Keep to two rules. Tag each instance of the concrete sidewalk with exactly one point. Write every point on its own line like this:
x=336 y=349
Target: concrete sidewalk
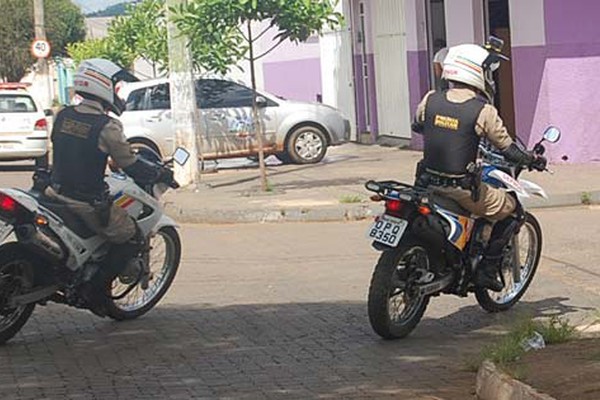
x=333 y=190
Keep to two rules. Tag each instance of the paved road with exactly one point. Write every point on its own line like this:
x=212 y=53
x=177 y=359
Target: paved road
x=278 y=312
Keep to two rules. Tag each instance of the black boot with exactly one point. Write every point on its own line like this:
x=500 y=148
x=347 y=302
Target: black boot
x=487 y=274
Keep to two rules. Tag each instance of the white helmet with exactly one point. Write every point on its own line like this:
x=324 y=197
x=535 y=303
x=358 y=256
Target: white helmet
x=97 y=79
x=472 y=65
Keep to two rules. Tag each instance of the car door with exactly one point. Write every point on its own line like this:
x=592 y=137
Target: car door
x=229 y=129
x=157 y=117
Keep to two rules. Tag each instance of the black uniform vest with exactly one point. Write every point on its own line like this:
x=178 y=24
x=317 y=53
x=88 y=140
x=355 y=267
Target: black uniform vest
x=450 y=140
x=78 y=164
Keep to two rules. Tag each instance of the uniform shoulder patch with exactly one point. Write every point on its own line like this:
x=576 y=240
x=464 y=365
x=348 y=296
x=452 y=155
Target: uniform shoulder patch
x=75 y=128
x=443 y=121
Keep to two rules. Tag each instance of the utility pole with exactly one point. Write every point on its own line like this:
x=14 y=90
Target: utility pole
x=183 y=99
x=42 y=63
x=42 y=69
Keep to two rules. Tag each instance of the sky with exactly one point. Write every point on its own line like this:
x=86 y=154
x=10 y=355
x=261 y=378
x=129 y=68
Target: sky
x=89 y=6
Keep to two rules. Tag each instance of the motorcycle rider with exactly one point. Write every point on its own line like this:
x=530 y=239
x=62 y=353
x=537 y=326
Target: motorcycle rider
x=452 y=123
x=83 y=137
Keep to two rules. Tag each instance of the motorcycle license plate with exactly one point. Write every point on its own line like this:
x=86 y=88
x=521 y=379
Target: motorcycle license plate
x=387 y=230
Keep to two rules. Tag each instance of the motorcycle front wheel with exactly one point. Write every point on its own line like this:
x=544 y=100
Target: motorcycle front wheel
x=526 y=251
x=164 y=258
x=394 y=308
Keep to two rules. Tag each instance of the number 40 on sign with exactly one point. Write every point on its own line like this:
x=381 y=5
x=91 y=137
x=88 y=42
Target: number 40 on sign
x=40 y=48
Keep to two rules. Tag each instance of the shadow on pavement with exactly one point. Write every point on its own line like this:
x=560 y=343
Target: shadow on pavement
x=17 y=168
x=306 y=350
x=277 y=170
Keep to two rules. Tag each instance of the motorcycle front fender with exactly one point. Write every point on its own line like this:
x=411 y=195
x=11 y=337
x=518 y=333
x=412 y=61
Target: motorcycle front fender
x=165 y=221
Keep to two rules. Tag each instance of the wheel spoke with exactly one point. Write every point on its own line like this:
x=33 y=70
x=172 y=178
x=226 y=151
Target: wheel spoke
x=527 y=243
x=161 y=260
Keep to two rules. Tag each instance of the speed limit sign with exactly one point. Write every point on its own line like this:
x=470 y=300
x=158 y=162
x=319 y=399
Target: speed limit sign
x=40 y=48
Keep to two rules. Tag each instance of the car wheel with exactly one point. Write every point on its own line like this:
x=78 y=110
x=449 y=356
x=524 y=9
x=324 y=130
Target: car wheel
x=306 y=145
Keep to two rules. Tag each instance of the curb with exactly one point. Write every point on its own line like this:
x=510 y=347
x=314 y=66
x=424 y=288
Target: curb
x=492 y=384
x=341 y=213
x=320 y=214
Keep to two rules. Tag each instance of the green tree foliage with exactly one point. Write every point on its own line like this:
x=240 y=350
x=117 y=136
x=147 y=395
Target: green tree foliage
x=142 y=33
x=64 y=25
x=220 y=25
x=99 y=48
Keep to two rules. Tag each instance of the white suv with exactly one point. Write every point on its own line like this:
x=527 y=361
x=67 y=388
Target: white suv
x=23 y=125
x=298 y=132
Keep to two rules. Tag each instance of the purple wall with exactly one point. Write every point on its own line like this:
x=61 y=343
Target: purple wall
x=294 y=79
x=418 y=85
x=557 y=84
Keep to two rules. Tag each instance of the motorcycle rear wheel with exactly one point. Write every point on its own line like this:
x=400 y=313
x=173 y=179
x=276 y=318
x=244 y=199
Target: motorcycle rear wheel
x=386 y=294
x=16 y=278
x=529 y=240
x=139 y=301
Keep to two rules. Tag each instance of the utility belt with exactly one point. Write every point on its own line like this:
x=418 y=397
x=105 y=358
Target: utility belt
x=101 y=202
x=470 y=181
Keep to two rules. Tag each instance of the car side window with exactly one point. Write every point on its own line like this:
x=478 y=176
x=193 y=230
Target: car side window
x=216 y=93
x=160 y=98
x=135 y=100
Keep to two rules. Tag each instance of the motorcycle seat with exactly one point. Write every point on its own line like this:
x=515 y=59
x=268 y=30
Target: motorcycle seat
x=72 y=221
x=450 y=205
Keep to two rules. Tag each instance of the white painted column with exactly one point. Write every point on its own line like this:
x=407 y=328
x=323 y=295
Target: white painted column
x=391 y=69
x=336 y=68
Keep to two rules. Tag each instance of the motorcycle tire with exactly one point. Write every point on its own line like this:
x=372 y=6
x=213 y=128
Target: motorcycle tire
x=382 y=289
x=13 y=254
x=120 y=312
x=486 y=298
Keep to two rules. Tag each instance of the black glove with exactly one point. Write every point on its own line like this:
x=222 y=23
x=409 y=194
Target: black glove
x=143 y=172
x=539 y=163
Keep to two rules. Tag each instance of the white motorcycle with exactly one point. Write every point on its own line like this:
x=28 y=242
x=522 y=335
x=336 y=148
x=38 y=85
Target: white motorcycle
x=47 y=252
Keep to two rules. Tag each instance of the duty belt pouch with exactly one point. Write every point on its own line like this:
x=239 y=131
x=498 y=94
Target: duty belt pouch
x=420 y=175
x=102 y=208
x=474 y=171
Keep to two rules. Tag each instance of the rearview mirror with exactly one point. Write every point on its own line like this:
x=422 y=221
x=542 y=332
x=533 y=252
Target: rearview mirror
x=261 y=102
x=181 y=156
x=552 y=134
x=48 y=112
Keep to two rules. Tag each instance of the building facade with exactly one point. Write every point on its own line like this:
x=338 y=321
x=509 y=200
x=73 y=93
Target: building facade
x=554 y=47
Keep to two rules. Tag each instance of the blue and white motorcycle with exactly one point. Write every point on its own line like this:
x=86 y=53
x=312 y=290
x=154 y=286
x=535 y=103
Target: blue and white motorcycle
x=432 y=246
x=47 y=253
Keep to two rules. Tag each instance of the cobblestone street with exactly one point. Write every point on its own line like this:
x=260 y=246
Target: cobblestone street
x=275 y=311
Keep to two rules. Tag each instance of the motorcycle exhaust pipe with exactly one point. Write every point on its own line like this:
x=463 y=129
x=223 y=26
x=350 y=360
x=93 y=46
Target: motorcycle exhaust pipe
x=436 y=286
x=31 y=236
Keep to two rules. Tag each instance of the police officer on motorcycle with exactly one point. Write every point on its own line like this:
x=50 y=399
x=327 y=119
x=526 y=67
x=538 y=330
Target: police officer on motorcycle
x=83 y=138
x=452 y=123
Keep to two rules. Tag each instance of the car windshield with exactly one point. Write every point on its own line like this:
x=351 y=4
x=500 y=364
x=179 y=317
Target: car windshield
x=16 y=104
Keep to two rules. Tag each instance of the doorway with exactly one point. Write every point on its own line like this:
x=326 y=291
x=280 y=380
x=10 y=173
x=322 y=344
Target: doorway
x=497 y=18
x=436 y=35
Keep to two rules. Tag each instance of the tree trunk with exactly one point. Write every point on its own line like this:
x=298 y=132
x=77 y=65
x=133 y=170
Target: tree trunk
x=256 y=115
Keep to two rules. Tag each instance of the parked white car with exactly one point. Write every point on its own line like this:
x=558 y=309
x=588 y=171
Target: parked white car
x=23 y=125
x=297 y=132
